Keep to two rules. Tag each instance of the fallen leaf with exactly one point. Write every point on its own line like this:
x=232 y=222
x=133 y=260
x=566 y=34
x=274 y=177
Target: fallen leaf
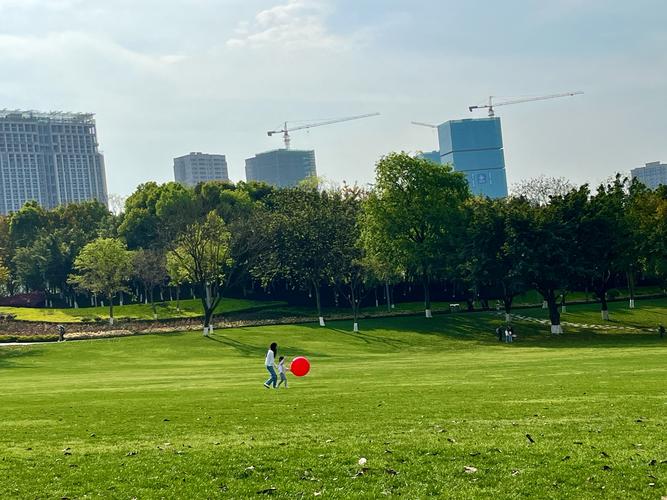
x=604 y=454
x=362 y=461
x=469 y=469
x=653 y=462
x=530 y=438
x=317 y=493
x=578 y=442
x=606 y=467
x=516 y=472
x=566 y=457
x=268 y=491
x=388 y=451
x=391 y=472
x=451 y=440
x=131 y=453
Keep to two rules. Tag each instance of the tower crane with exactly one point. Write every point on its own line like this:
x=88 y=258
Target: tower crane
x=422 y=124
x=493 y=104
x=285 y=131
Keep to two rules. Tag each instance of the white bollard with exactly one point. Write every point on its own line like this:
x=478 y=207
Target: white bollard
x=508 y=318
x=605 y=315
x=632 y=303
x=322 y=321
x=556 y=329
x=428 y=313
x=355 y=328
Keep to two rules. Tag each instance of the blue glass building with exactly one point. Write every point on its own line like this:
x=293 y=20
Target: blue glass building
x=434 y=156
x=475 y=147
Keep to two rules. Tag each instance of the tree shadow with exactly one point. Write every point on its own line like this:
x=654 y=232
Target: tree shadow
x=249 y=350
x=10 y=355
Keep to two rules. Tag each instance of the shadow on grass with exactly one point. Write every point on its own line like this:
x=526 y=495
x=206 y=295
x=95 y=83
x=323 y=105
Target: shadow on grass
x=8 y=355
x=249 y=350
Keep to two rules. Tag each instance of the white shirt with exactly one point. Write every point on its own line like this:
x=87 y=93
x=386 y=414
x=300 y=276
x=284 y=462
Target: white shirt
x=270 y=358
x=281 y=366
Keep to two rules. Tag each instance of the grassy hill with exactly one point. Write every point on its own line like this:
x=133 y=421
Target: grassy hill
x=436 y=407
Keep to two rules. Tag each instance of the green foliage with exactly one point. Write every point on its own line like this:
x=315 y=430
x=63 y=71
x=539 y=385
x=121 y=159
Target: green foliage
x=413 y=218
x=103 y=267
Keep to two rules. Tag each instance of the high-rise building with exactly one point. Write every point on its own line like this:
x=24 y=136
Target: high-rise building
x=281 y=167
x=434 y=156
x=51 y=158
x=194 y=168
x=475 y=147
x=652 y=174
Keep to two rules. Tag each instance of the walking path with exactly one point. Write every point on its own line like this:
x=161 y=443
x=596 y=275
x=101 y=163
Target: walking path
x=592 y=326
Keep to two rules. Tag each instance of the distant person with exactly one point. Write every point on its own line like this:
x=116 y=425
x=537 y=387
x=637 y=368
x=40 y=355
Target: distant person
x=500 y=331
x=661 y=331
x=281 y=371
x=508 y=334
x=61 y=333
x=270 y=363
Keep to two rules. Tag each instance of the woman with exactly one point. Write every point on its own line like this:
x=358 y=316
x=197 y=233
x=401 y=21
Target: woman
x=269 y=362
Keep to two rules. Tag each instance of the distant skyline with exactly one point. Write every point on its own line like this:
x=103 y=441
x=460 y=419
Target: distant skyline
x=167 y=78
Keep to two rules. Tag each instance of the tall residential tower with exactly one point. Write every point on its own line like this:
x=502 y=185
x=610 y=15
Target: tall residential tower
x=51 y=158
x=281 y=167
x=194 y=168
x=652 y=174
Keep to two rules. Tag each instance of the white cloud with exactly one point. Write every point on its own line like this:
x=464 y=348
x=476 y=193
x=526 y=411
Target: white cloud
x=294 y=24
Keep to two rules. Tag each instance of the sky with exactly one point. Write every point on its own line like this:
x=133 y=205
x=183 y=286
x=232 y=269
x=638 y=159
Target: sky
x=167 y=77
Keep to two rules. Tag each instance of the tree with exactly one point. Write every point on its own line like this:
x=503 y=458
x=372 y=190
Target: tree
x=150 y=269
x=203 y=254
x=177 y=276
x=539 y=190
x=103 y=267
x=488 y=261
x=605 y=238
x=542 y=241
x=301 y=240
x=413 y=218
x=352 y=272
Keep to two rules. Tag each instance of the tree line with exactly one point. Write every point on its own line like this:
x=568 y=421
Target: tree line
x=418 y=224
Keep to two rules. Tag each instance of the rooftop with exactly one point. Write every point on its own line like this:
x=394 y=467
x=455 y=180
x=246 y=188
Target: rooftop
x=60 y=116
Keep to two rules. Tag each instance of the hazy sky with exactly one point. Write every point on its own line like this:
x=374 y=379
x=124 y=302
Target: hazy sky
x=166 y=77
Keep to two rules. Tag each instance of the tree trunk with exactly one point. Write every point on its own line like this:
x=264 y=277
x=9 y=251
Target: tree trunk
x=178 y=299
x=507 y=303
x=355 y=309
x=388 y=295
x=426 y=282
x=563 y=305
x=110 y=309
x=153 y=304
x=316 y=286
x=208 y=307
x=604 y=307
x=631 y=288
x=554 y=314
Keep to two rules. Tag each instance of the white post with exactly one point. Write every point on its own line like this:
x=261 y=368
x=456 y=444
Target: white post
x=428 y=313
x=322 y=321
x=355 y=328
x=121 y=298
x=563 y=308
x=605 y=315
x=111 y=320
x=544 y=304
x=206 y=331
x=556 y=329
x=632 y=303
x=508 y=317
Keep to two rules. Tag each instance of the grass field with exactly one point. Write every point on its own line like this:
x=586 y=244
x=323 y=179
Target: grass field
x=648 y=314
x=188 y=309
x=181 y=416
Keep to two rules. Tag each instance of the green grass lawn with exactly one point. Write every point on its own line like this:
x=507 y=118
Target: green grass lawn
x=165 y=310
x=647 y=314
x=182 y=416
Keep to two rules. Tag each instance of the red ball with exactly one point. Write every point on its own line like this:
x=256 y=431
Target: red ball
x=300 y=366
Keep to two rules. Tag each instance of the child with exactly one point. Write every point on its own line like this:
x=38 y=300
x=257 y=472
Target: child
x=281 y=371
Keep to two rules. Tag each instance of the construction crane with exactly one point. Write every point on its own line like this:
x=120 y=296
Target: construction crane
x=493 y=104
x=285 y=131
x=422 y=124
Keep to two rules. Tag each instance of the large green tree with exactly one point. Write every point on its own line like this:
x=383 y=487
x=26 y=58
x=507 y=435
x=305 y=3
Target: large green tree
x=204 y=257
x=413 y=218
x=301 y=240
x=488 y=262
x=103 y=267
x=150 y=268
